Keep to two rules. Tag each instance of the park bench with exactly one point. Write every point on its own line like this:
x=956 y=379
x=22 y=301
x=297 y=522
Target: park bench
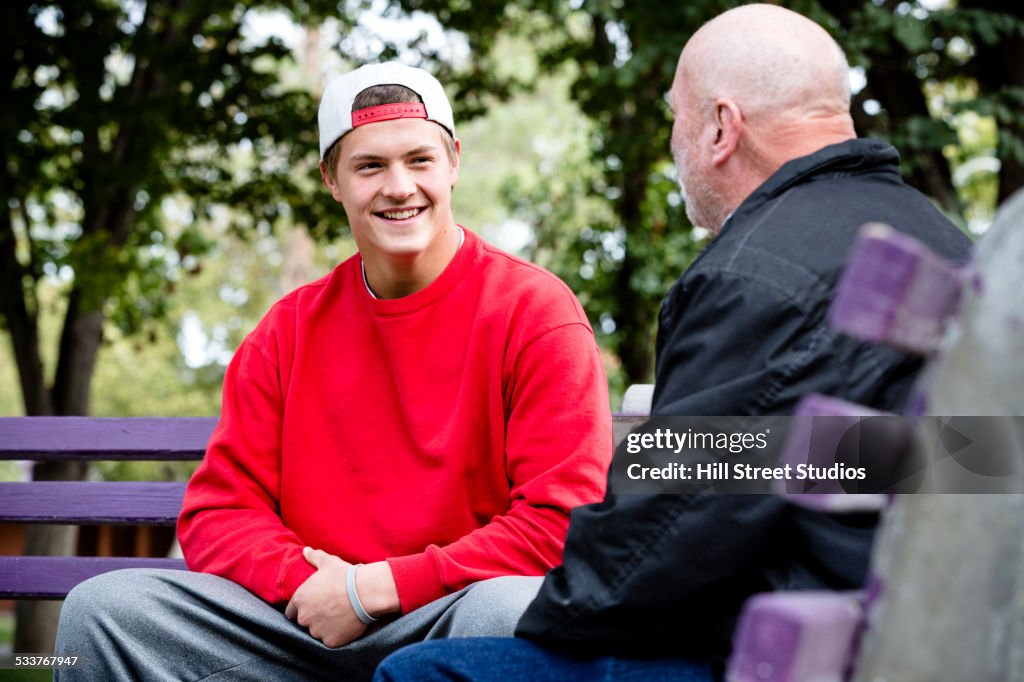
x=894 y=291
x=114 y=502
x=943 y=599
x=91 y=502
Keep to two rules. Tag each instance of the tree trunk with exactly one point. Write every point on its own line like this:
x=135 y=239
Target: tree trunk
x=297 y=267
x=80 y=342
x=633 y=314
x=21 y=322
x=1000 y=67
x=891 y=81
x=37 y=620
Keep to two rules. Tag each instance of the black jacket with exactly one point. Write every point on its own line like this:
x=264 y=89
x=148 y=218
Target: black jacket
x=743 y=332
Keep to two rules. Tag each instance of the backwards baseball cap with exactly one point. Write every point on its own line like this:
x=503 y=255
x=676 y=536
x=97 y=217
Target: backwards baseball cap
x=337 y=118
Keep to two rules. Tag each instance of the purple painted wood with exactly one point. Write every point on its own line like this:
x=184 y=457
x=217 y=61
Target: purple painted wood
x=819 y=425
x=59 y=438
x=148 y=503
x=104 y=438
x=795 y=637
x=45 y=577
x=896 y=291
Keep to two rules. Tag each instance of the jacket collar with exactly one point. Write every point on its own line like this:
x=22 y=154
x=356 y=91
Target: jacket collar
x=850 y=157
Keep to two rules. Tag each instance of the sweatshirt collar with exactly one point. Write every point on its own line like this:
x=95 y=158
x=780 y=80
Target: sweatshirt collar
x=362 y=263
x=467 y=254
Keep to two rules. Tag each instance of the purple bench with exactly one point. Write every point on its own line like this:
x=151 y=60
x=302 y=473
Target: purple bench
x=90 y=502
x=102 y=502
x=796 y=637
x=894 y=291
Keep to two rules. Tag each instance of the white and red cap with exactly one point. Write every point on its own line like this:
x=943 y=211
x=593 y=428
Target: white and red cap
x=337 y=118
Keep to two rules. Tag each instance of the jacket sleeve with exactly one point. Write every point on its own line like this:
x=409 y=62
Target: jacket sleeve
x=654 y=574
x=667 y=574
x=230 y=523
x=557 y=450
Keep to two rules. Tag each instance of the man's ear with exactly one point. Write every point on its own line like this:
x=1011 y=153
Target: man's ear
x=455 y=162
x=324 y=175
x=728 y=123
x=330 y=180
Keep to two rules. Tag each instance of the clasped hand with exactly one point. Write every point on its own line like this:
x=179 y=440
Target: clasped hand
x=322 y=605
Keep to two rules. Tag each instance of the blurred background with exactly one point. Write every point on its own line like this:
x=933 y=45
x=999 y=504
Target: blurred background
x=160 y=187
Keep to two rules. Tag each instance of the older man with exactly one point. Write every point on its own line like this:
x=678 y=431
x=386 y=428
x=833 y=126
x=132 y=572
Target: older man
x=769 y=161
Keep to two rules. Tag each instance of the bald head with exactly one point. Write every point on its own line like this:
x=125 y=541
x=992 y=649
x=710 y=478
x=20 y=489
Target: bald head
x=771 y=60
x=754 y=88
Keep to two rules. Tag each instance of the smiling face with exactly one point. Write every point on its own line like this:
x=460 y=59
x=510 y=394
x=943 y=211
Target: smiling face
x=395 y=180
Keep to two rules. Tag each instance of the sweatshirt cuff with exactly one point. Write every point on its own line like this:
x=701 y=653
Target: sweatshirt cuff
x=417 y=580
x=298 y=572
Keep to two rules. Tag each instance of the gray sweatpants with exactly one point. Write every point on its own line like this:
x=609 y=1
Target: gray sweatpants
x=141 y=624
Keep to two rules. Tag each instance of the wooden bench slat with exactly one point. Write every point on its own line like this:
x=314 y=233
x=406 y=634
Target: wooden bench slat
x=147 y=502
x=132 y=438
x=87 y=502
x=46 y=577
x=105 y=438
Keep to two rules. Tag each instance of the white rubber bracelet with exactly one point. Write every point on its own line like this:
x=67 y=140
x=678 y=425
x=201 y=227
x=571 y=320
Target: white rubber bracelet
x=353 y=597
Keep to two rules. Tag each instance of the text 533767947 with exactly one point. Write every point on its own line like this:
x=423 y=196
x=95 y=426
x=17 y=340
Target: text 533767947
x=38 y=661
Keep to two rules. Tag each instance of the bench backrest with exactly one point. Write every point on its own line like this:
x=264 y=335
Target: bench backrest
x=92 y=502
x=102 y=502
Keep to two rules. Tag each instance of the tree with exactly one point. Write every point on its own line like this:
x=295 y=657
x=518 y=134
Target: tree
x=998 y=68
x=111 y=107
x=904 y=48
x=623 y=56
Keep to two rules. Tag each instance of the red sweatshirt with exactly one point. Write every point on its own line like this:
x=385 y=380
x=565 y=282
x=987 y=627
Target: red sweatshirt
x=449 y=432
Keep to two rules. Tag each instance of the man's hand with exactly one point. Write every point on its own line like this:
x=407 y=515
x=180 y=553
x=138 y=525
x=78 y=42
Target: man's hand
x=321 y=604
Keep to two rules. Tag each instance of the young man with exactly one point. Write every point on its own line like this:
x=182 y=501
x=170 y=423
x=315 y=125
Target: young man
x=418 y=421
x=769 y=160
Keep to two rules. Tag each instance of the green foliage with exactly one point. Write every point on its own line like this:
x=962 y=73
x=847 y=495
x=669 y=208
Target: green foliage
x=139 y=134
x=128 y=129
x=609 y=221
x=118 y=105
x=600 y=209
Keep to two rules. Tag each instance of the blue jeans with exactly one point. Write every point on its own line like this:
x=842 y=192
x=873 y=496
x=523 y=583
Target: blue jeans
x=493 y=659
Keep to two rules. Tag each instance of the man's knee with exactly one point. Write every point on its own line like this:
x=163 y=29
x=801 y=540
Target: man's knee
x=491 y=608
x=89 y=599
x=91 y=612
x=124 y=597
